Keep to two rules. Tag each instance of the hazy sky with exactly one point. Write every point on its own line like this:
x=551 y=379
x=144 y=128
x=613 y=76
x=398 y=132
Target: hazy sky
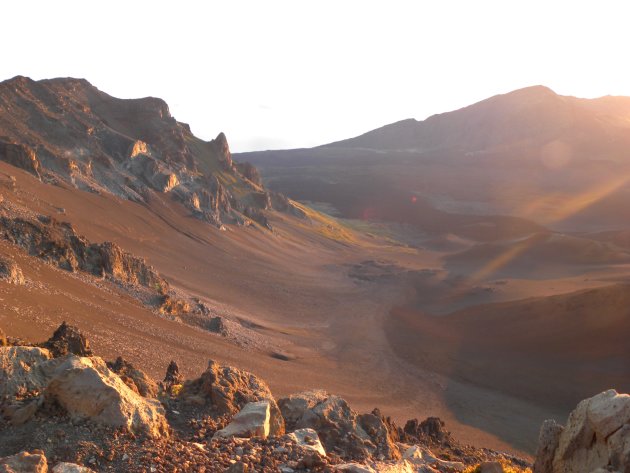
x=283 y=74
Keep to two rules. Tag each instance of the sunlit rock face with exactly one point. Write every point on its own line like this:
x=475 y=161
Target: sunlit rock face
x=68 y=130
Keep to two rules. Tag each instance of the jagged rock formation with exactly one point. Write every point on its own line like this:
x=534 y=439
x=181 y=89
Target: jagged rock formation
x=67 y=339
x=173 y=377
x=67 y=130
x=341 y=429
x=62 y=413
x=59 y=244
x=596 y=438
x=228 y=389
x=133 y=377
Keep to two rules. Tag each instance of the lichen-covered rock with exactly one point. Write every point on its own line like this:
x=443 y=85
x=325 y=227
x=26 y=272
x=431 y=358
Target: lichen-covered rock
x=87 y=389
x=24 y=462
x=143 y=383
x=228 y=389
x=251 y=421
x=68 y=339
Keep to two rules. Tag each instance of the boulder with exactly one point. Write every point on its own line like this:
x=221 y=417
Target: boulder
x=548 y=440
x=86 y=388
x=143 y=384
x=336 y=424
x=21 y=371
x=24 y=462
x=228 y=389
x=308 y=438
x=252 y=421
x=68 y=339
x=172 y=378
x=11 y=272
x=597 y=435
x=71 y=468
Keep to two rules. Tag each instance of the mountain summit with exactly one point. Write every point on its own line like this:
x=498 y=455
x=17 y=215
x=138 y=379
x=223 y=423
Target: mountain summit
x=529 y=117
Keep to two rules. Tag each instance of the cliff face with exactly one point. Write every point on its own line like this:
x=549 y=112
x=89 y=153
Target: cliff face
x=68 y=131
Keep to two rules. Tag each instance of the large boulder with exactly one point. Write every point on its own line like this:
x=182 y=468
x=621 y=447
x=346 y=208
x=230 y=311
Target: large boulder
x=24 y=462
x=252 y=421
x=133 y=377
x=86 y=388
x=336 y=424
x=597 y=435
x=68 y=339
x=22 y=372
x=228 y=389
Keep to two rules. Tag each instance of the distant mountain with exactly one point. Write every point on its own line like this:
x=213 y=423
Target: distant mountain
x=558 y=161
x=533 y=116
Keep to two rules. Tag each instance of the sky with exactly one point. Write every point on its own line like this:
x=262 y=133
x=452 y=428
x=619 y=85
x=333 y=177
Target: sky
x=285 y=74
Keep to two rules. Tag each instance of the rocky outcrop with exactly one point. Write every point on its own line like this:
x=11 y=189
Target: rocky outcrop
x=222 y=148
x=133 y=377
x=227 y=390
x=173 y=377
x=249 y=171
x=59 y=244
x=67 y=339
x=596 y=436
x=24 y=462
x=251 y=421
x=133 y=149
x=383 y=433
x=336 y=424
x=432 y=431
x=87 y=389
x=21 y=156
x=10 y=271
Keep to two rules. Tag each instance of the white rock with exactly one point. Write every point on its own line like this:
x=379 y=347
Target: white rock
x=251 y=421
x=309 y=439
x=71 y=468
x=422 y=456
